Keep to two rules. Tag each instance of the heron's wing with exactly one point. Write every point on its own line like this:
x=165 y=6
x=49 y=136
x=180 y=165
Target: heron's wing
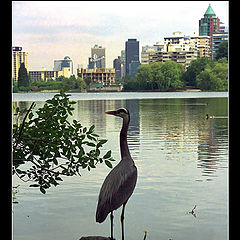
x=116 y=189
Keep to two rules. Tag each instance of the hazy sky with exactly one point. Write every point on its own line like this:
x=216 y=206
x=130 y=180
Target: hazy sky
x=52 y=30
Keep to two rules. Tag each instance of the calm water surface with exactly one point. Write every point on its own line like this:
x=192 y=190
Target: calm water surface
x=182 y=161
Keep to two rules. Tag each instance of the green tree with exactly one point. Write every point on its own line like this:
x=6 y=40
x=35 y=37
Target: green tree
x=131 y=85
x=23 y=79
x=46 y=146
x=81 y=84
x=87 y=80
x=145 y=77
x=222 y=51
x=168 y=75
x=214 y=77
x=203 y=79
x=197 y=66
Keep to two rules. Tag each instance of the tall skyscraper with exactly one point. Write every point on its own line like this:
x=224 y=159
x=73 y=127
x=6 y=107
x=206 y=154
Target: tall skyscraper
x=208 y=25
x=117 y=65
x=131 y=53
x=123 y=62
x=98 y=52
x=18 y=56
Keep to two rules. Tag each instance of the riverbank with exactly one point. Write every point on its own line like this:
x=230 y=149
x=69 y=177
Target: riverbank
x=114 y=89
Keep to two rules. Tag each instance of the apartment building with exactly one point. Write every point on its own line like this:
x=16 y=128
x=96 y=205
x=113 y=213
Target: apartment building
x=44 y=74
x=179 y=42
x=18 y=57
x=183 y=57
x=203 y=45
x=98 y=75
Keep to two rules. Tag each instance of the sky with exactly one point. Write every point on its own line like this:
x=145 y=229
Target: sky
x=51 y=30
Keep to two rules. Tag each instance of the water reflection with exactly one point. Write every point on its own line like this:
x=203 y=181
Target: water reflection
x=173 y=129
x=177 y=151
x=179 y=129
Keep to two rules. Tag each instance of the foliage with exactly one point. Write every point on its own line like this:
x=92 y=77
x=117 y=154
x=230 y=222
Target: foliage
x=23 y=79
x=222 y=51
x=169 y=76
x=157 y=76
x=87 y=81
x=194 y=69
x=145 y=77
x=60 y=83
x=214 y=77
x=46 y=146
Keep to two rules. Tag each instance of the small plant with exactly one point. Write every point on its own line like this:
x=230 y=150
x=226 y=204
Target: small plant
x=46 y=146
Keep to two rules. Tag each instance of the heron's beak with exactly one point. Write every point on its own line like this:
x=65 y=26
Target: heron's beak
x=112 y=113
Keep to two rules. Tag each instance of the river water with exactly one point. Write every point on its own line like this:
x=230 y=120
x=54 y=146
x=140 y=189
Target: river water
x=182 y=161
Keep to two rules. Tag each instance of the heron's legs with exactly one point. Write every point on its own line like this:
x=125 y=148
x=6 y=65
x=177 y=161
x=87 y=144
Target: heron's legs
x=122 y=219
x=111 y=218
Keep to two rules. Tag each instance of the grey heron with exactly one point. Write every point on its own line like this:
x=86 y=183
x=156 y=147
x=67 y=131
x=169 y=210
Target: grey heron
x=119 y=184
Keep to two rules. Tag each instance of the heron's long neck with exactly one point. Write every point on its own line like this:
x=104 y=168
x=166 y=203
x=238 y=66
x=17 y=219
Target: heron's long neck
x=125 y=154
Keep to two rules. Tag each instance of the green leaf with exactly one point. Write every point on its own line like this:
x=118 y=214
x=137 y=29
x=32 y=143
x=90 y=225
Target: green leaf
x=101 y=142
x=55 y=161
x=34 y=185
x=107 y=155
x=91 y=129
x=30 y=115
x=108 y=163
x=42 y=190
x=90 y=144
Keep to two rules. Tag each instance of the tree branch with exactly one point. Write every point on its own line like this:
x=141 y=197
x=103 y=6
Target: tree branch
x=22 y=125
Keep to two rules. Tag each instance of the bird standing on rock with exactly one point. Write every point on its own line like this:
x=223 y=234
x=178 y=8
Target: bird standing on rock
x=119 y=184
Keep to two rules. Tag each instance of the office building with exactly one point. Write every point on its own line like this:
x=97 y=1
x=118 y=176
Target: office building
x=95 y=62
x=123 y=62
x=217 y=39
x=64 y=63
x=131 y=52
x=106 y=76
x=117 y=65
x=18 y=57
x=99 y=53
x=208 y=25
x=133 y=68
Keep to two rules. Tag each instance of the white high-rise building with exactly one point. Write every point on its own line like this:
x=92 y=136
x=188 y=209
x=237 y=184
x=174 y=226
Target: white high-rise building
x=18 y=57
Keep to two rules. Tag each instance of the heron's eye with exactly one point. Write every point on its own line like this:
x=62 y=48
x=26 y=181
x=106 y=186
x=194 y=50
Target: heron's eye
x=123 y=110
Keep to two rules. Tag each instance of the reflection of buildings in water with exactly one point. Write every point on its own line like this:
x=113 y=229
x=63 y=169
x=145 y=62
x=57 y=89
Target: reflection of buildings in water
x=168 y=122
x=176 y=128
x=134 y=127
x=213 y=153
x=93 y=112
x=23 y=105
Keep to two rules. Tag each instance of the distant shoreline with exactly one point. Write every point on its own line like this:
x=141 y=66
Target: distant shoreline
x=100 y=91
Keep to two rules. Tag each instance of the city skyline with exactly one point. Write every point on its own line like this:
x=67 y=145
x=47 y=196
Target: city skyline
x=53 y=30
